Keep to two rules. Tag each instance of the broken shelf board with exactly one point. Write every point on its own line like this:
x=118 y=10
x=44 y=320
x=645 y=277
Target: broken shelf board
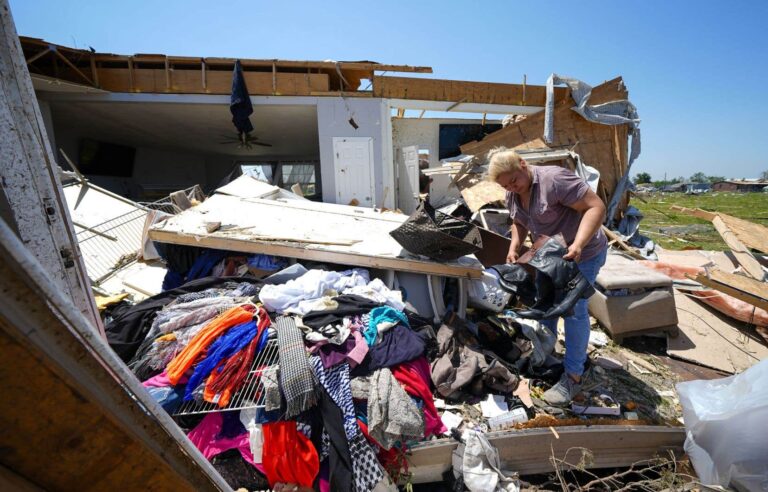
x=528 y=451
x=257 y=219
x=712 y=339
x=741 y=287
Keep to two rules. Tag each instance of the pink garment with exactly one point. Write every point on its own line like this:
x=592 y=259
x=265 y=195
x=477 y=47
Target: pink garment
x=162 y=381
x=415 y=377
x=358 y=353
x=204 y=438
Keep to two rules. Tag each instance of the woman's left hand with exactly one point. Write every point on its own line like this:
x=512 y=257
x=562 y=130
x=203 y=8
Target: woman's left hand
x=574 y=252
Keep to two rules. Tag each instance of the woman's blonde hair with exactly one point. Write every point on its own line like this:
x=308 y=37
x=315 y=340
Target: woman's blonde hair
x=502 y=160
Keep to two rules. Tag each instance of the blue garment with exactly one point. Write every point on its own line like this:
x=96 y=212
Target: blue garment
x=168 y=397
x=397 y=345
x=204 y=264
x=228 y=344
x=201 y=267
x=577 y=326
x=240 y=101
x=380 y=315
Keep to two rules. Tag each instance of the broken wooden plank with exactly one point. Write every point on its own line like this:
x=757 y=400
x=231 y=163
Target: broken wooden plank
x=457 y=91
x=741 y=287
x=88 y=424
x=610 y=446
x=616 y=239
x=740 y=251
x=753 y=235
x=31 y=192
x=694 y=212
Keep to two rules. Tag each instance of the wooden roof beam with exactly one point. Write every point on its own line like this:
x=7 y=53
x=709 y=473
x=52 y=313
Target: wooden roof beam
x=463 y=91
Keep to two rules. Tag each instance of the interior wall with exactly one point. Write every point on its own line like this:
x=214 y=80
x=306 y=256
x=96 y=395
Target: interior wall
x=424 y=133
x=372 y=119
x=161 y=167
x=152 y=168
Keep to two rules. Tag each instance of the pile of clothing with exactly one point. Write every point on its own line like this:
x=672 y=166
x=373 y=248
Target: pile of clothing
x=350 y=390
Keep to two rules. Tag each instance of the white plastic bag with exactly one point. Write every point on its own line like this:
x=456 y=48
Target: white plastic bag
x=726 y=422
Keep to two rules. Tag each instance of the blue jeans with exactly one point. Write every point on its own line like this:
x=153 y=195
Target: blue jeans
x=577 y=326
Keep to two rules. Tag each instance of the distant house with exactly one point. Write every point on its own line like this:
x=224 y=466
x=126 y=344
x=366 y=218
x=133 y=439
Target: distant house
x=740 y=185
x=674 y=188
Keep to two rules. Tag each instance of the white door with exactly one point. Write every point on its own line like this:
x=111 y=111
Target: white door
x=353 y=166
x=408 y=179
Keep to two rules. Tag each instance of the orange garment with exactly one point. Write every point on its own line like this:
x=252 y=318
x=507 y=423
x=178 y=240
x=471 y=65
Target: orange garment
x=229 y=375
x=198 y=345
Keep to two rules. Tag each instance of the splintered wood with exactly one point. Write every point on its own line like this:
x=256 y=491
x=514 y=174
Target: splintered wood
x=601 y=146
x=739 y=235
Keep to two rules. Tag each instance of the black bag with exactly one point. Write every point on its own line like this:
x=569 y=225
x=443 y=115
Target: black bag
x=436 y=235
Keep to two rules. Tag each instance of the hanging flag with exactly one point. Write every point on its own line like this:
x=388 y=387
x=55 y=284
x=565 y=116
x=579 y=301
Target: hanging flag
x=240 y=102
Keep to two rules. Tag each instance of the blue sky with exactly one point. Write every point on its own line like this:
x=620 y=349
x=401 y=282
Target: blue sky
x=697 y=71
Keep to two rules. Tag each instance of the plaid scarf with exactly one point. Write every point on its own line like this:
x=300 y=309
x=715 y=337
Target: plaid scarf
x=296 y=378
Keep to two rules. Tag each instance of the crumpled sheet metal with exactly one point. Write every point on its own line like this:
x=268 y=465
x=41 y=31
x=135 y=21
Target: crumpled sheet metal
x=610 y=113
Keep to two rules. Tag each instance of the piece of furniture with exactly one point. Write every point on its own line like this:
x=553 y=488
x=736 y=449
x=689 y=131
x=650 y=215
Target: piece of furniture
x=631 y=299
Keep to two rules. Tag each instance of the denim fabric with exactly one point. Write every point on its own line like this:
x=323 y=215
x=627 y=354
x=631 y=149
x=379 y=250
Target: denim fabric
x=577 y=326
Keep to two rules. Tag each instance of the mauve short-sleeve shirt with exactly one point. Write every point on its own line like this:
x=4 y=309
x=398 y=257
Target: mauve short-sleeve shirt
x=553 y=191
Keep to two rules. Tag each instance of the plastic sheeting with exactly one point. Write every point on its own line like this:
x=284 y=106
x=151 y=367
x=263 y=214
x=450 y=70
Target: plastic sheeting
x=726 y=431
x=610 y=113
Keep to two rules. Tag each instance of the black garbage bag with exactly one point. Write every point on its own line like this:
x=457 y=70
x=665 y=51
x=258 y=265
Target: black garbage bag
x=559 y=282
x=436 y=235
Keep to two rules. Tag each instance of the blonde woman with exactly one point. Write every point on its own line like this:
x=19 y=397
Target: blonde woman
x=547 y=200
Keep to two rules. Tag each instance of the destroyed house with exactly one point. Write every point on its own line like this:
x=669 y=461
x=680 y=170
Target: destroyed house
x=147 y=124
x=257 y=336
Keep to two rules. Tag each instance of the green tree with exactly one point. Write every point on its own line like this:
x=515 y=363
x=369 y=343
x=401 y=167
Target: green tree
x=764 y=176
x=715 y=179
x=699 y=177
x=641 y=178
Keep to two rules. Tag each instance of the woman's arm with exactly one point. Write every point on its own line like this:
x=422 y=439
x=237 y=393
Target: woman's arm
x=518 y=235
x=593 y=214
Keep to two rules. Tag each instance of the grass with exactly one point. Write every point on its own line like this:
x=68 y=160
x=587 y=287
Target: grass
x=675 y=230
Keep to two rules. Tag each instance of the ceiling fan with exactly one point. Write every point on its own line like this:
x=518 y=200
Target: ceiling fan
x=243 y=140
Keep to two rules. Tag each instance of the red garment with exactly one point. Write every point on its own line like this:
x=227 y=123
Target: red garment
x=415 y=378
x=288 y=455
x=229 y=375
x=394 y=459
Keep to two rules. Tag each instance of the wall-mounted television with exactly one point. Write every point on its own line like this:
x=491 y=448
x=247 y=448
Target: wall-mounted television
x=106 y=159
